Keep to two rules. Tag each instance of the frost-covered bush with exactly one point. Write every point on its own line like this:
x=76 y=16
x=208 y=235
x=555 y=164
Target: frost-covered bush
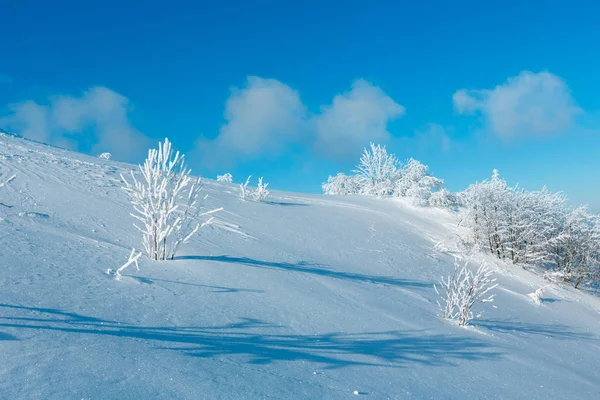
x=260 y=193
x=416 y=183
x=377 y=171
x=227 y=178
x=342 y=184
x=165 y=202
x=536 y=296
x=244 y=191
x=381 y=174
x=444 y=199
x=463 y=290
x=105 y=156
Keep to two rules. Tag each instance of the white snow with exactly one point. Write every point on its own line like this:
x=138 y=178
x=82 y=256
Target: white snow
x=299 y=297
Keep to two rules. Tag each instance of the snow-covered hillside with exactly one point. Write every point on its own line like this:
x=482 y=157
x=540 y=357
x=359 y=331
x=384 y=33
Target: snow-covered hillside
x=302 y=297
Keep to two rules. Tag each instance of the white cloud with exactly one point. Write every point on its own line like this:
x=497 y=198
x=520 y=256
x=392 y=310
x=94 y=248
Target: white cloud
x=97 y=122
x=434 y=135
x=354 y=119
x=527 y=104
x=266 y=118
x=262 y=119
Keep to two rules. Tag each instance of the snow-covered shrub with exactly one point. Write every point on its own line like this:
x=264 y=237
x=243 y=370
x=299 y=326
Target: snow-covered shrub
x=260 y=193
x=444 y=199
x=342 y=184
x=537 y=296
x=227 y=178
x=415 y=182
x=165 y=201
x=105 y=156
x=244 y=191
x=378 y=171
x=463 y=290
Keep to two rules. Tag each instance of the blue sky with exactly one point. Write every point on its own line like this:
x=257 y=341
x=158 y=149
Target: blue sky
x=293 y=92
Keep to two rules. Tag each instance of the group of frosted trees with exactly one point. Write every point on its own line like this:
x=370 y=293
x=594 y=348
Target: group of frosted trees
x=513 y=224
x=381 y=174
x=534 y=228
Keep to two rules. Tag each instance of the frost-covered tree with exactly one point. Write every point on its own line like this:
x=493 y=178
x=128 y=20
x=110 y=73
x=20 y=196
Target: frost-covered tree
x=415 y=182
x=463 y=290
x=165 y=202
x=227 y=178
x=342 y=184
x=485 y=212
x=377 y=171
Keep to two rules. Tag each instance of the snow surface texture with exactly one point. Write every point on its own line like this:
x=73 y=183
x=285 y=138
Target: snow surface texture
x=299 y=297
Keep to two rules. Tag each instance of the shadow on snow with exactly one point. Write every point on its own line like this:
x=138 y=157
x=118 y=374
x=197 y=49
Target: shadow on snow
x=310 y=268
x=248 y=339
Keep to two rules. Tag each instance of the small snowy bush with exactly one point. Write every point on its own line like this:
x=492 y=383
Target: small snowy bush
x=244 y=191
x=261 y=192
x=463 y=290
x=342 y=184
x=227 y=178
x=443 y=199
x=537 y=296
x=165 y=201
x=105 y=156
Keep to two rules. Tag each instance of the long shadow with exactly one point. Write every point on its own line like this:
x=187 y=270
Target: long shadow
x=310 y=268
x=286 y=204
x=218 y=289
x=255 y=342
x=526 y=328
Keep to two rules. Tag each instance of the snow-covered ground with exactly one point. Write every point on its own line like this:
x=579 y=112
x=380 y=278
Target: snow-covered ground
x=302 y=297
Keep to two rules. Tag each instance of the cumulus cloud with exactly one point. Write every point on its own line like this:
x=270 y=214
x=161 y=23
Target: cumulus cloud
x=354 y=119
x=262 y=118
x=434 y=135
x=527 y=104
x=97 y=122
x=266 y=118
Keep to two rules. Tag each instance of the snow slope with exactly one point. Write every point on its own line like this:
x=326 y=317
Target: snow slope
x=305 y=297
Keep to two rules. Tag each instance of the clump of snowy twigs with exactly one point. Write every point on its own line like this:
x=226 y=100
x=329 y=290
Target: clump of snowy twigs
x=259 y=194
x=537 y=296
x=227 y=178
x=463 y=290
x=166 y=202
x=133 y=259
x=105 y=156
